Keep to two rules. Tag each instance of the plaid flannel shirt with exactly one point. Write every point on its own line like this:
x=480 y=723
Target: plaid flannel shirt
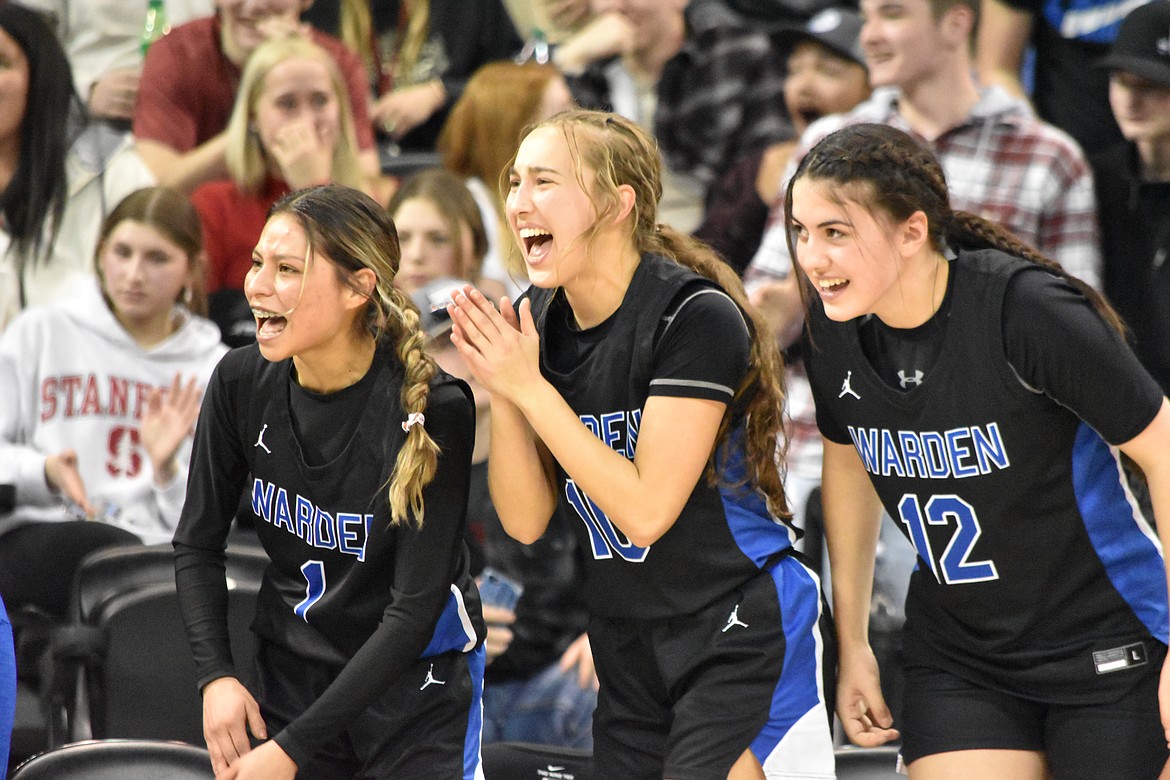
x=720 y=97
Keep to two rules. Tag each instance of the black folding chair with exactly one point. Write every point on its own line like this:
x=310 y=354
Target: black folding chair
x=122 y=668
x=118 y=759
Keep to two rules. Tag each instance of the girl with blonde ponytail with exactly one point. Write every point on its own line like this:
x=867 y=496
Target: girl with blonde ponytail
x=353 y=452
x=987 y=400
x=635 y=390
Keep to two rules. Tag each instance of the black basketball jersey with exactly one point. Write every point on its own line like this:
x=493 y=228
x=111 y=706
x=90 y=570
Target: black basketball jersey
x=1036 y=567
x=341 y=576
x=723 y=536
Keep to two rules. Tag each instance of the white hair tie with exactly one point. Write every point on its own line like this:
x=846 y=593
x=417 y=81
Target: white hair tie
x=414 y=418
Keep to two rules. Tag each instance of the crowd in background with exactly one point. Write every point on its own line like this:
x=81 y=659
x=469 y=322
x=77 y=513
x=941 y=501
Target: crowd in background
x=136 y=177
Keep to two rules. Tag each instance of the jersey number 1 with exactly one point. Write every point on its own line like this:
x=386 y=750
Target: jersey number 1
x=314 y=572
x=953 y=566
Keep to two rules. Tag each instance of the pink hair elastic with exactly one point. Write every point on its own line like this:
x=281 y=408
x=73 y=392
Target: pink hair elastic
x=414 y=418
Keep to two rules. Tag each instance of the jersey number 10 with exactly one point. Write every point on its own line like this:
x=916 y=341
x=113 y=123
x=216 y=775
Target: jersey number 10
x=604 y=538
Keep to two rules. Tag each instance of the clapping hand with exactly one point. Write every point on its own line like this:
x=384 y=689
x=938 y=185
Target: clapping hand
x=169 y=419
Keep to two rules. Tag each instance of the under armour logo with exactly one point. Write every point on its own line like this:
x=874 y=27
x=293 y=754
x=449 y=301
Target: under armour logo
x=847 y=389
x=430 y=680
x=910 y=380
x=733 y=620
x=260 y=440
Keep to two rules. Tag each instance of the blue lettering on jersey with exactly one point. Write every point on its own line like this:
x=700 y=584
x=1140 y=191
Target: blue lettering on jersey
x=342 y=531
x=619 y=431
x=957 y=453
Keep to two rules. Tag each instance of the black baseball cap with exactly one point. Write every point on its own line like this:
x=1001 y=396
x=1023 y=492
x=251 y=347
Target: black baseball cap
x=1142 y=46
x=837 y=29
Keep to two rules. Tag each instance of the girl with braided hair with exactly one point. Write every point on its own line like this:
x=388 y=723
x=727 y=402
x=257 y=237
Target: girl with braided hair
x=353 y=452
x=635 y=391
x=987 y=400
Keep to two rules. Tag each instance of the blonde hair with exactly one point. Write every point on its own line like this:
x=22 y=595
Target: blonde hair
x=247 y=161
x=619 y=152
x=354 y=232
x=410 y=47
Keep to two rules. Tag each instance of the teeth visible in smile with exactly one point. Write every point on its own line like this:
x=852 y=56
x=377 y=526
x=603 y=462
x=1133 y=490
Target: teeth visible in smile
x=260 y=314
x=533 y=232
x=828 y=284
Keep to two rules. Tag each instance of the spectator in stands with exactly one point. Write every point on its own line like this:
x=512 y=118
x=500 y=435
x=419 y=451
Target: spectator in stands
x=420 y=54
x=189 y=83
x=440 y=231
x=1133 y=184
x=1065 y=38
x=707 y=85
x=482 y=133
x=103 y=40
x=58 y=173
x=101 y=391
x=540 y=684
x=825 y=74
x=291 y=128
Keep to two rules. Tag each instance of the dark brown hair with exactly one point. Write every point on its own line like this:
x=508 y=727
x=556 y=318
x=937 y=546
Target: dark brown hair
x=887 y=172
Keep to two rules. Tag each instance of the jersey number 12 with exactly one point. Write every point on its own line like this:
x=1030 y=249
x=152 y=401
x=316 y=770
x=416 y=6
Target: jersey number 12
x=953 y=566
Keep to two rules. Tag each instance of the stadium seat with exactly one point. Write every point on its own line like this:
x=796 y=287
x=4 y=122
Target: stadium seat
x=118 y=759
x=122 y=667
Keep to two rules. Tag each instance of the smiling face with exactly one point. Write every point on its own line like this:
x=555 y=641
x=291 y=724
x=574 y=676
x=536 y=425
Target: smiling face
x=849 y=256
x=298 y=90
x=430 y=248
x=13 y=88
x=547 y=209
x=143 y=274
x=245 y=24
x=301 y=307
x=903 y=42
x=820 y=83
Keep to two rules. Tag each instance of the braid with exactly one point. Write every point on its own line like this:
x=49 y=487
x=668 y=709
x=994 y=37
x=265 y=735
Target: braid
x=764 y=438
x=974 y=232
x=418 y=457
x=886 y=169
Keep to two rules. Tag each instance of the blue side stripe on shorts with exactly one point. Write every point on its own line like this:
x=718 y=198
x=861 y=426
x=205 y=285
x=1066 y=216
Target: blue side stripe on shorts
x=476 y=661
x=454 y=629
x=800 y=686
x=1120 y=533
x=756 y=532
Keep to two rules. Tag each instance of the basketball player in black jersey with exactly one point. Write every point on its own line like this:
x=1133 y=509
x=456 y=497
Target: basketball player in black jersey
x=985 y=398
x=634 y=390
x=355 y=452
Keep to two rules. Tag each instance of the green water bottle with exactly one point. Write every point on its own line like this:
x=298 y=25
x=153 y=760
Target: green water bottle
x=155 y=25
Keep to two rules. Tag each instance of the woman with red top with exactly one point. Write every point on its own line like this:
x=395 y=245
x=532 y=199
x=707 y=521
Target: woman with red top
x=291 y=128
